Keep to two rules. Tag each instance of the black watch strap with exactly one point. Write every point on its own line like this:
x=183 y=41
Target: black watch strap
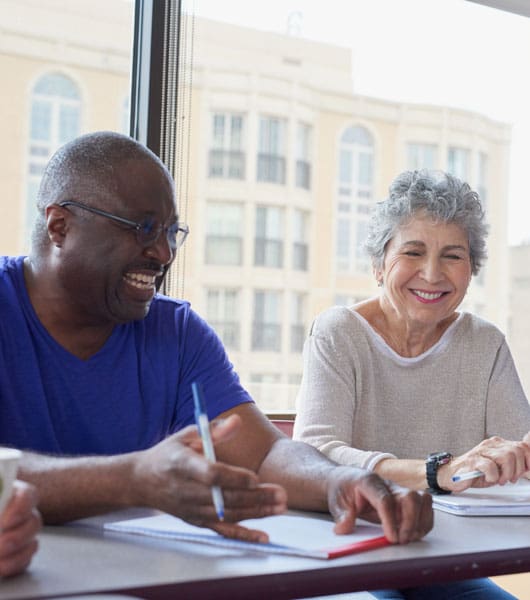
x=433 y=462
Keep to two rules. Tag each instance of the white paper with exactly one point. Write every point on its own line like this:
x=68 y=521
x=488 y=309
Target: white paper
x=297 y=535
x=499 y=500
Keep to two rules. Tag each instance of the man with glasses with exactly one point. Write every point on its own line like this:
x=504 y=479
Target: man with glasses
x=96 y=369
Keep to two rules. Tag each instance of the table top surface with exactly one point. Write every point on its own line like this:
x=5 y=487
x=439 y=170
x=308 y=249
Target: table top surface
x=80 y=560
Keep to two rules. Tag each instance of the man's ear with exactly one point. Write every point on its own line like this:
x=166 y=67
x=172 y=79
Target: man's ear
x=56 y=224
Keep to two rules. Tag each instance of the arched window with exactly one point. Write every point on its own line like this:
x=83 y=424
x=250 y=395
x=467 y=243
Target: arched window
x=354 y=197
x=54 y=120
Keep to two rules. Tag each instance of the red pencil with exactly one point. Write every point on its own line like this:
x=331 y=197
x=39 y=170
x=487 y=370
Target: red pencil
x=362 y=546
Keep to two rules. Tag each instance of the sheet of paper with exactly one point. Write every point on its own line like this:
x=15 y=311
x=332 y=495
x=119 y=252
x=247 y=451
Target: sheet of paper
x=289 y=534
x=499 y=500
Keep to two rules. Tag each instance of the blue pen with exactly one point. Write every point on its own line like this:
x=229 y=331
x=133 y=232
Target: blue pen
x=465 y=476
x=201 y=418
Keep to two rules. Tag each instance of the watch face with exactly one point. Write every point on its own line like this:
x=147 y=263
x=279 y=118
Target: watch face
x=440 y=458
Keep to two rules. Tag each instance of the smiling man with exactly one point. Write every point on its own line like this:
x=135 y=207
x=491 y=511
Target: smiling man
x=96 y=369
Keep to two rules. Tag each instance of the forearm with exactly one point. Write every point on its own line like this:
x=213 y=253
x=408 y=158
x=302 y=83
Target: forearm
x=409 y=473
x=72 y=488
x=302 y=471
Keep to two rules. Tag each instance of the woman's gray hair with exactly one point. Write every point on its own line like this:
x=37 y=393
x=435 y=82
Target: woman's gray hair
x=436 y=194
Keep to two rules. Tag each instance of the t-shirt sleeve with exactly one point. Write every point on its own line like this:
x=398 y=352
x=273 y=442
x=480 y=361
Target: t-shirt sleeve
x=327 y=397
x=203 y=359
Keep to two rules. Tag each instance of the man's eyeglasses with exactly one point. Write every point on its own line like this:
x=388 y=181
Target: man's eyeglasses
x=147 y=232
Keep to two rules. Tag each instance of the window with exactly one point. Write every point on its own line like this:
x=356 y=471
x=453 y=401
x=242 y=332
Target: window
x=297 y=321
x=458 y=162
x=300 y=246
x=54 y=119
x=125 y=115
x=222 y=312
x=421 y=156
x=303 y=163
x=224 y=234
x=348 y=300
x=482 y=178
x=271 y=150
x=267 y=328
x=355 y=195
x=268 y=246
x=227 y=157
x=361 y=258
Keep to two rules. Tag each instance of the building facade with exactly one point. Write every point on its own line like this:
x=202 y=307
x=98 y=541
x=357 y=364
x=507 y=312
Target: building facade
x=284 y=163
x=287 y=163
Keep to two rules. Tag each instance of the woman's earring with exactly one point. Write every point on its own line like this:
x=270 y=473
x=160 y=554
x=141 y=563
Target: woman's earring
x=379 y=283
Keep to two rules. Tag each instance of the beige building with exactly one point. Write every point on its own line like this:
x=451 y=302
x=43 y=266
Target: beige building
x=65 y=71
x=285 y=163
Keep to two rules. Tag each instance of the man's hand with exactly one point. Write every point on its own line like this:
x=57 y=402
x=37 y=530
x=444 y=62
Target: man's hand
x=19 y=524
x=405 y=515
x=174 y=476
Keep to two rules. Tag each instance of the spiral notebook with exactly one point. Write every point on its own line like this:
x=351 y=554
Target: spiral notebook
x=512 y=499
x=295 y=535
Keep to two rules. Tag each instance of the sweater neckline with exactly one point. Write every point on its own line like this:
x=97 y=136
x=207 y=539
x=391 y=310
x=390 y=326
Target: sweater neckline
x=435 y=349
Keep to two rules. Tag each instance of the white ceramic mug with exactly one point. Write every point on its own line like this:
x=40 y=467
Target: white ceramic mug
x=9 y=459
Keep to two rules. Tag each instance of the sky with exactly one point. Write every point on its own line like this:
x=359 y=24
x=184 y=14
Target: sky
x=446 y=52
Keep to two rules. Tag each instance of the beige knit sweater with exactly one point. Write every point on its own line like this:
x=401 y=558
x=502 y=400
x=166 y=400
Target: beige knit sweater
x=360 y=401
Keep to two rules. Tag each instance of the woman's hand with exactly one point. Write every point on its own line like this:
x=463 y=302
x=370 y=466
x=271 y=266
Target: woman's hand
x=500 y=460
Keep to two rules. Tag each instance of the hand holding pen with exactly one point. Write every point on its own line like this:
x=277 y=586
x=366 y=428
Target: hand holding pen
x=201 y=418
x=466 y=476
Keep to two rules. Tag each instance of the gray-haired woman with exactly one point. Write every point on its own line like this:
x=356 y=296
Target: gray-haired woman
x=404 y=384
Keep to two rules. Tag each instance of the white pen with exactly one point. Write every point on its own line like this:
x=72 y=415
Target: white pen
x=201 y=418
x=466 y=476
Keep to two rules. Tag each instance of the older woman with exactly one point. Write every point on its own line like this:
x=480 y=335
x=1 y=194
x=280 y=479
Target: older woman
x=404 y=384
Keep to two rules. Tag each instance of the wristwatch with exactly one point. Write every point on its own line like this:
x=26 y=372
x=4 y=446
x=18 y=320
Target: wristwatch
x=433 y=462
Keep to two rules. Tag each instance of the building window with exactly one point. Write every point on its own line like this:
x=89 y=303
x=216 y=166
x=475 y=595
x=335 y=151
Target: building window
x=348 y=300
x=268 y=244
x=303 y=155
x=355 y=193
x=271 y=150
x=298 y=310
x=300 y=245
x=482 y=179
x=458 y=162
x=421 y=156
x=224 y=234
x=266 y=326
x=223 y=314
x=227 y=156
x=362 y=259
x=54 y=120
x=125 y=115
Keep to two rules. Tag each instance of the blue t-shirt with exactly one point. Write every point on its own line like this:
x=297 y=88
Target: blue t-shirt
x=130 y=395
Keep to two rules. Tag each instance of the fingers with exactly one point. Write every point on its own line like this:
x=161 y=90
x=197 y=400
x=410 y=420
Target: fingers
x=416 y=515
x=20 y=506
x=195 y=504
x=238 y=532
x=19 y=524
x=18 y=560
x=222 y=430
x=405 y=515
x=500 y=460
